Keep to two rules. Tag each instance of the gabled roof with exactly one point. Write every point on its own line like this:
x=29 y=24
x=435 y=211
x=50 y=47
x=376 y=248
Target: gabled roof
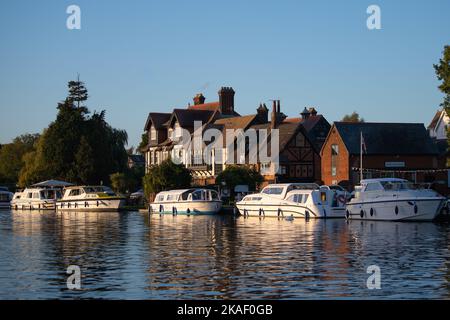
x=236 y=122
x=186 y=117
x=386 y=138
x=434 y=122
x=157 y=119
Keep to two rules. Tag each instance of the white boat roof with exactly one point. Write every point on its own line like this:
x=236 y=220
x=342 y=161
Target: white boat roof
x=178 y=191
x=284 y=185
x=383 y=180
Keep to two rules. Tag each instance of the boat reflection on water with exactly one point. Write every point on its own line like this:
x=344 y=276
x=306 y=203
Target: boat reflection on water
x=129 y=255
x=252 y=257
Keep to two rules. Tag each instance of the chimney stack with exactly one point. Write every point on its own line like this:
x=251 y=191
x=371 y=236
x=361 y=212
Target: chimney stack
x=199 y=99
x=305 y=114
x=263 y=113
x=226 y=100
x=273 y=118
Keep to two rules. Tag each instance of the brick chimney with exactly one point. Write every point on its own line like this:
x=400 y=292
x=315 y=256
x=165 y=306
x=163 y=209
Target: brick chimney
x=226 y=100
x=305 y=114
x=199 y=99
x=313 y=111
x=277 y=116
x=263 y=113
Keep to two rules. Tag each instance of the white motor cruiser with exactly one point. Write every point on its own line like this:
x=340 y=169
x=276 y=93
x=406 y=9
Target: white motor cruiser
x=89 y=198
x=187 y=201
x=393 y=199
x=306 y=200
x=36 y=199
x=5 y=198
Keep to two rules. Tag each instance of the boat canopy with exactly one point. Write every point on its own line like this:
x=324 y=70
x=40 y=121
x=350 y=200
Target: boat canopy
x=52 y=184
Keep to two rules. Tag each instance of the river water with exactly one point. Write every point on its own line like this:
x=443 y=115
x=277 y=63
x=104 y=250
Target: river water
x=132 y=255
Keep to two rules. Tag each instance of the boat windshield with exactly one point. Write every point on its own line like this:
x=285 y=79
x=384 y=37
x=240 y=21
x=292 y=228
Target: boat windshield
x=273 y=190
x=399 y=186
x=50 y=194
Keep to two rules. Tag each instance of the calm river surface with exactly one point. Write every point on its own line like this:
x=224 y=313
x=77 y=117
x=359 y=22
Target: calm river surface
x=134 y=256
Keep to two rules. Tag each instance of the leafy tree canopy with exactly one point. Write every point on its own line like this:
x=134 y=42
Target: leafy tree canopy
x=239 y=175
x=354 y=117
x=76 y=147
x=166 y=176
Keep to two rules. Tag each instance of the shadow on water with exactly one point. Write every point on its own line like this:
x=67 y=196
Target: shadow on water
x=132 y=256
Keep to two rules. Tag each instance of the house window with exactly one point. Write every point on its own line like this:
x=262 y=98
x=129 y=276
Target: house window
x=152 y=133
x=334 y=159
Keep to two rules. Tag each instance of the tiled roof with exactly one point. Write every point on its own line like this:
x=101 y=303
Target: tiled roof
x=158 y=119
x=236 y=122
x=435 y=120
x=211 y=106
x=386 y=138
x=186 y=117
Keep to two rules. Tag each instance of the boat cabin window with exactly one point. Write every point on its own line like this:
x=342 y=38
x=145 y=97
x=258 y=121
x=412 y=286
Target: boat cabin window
x=36 y=195
x=171 y=197
x=274 y=190
x=160 y=198
x=373 y=187
x=305 y=198
x=30 y=195
x=197 y=195
x=214 y=195
x=74 y=192
x=397 y=186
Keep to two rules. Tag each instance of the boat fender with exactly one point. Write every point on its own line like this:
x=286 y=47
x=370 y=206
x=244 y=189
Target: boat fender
x=245 y=213
x=324 y=213
x=161 y=208
x=97 y=203
x=396 y=209
x=280 y=213
x=85 y=204
x=174 y=211
x=361 y=214
x=76 y=204
x=371 y=212
x=188 y=210
x=261 y=212
x=307 y=215
x=416 y=209
x=69 y=205
x=347 y=214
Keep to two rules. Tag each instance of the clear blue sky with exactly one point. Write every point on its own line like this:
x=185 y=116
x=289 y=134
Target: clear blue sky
x=142 y=56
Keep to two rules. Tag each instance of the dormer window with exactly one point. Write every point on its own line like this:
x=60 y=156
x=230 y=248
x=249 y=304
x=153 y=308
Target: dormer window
x=152 y=133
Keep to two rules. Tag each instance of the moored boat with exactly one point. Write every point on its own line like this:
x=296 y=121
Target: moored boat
x=394 y=200
x=5 y=198
x=306 y=200
x=36 y=199
x=89 y=198
x=195 y=201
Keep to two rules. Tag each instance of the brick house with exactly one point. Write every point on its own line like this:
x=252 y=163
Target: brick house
x=392 y=149
x=300 y=141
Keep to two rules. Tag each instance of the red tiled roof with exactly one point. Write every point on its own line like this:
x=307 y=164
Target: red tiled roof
x=211 y=106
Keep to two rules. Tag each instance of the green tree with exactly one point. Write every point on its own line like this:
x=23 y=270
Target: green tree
x=353 y=117
x=77 y=92
x=77 y=147
x=239 y=175
x=443 y=74
x=143 y=144
x=11 y=157
x=166 y=176
x=85 y=166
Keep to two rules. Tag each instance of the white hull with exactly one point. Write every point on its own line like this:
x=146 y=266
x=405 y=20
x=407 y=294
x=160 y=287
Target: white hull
x=412 y=209
x=90 y=205
x=286 y=210
x=187 y=207
x=33 y=204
